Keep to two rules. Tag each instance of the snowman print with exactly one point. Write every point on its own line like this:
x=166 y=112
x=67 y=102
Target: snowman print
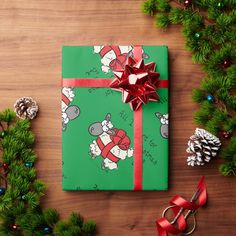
x=69 y=112
x=111 y=144
x=164 y=124
x=114 y=57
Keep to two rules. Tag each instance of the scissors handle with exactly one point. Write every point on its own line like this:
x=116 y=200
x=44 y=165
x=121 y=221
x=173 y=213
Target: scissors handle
x=194 y=222
x=186 y=216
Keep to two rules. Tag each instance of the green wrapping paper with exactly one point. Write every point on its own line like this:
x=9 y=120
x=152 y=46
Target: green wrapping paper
x=91 y=114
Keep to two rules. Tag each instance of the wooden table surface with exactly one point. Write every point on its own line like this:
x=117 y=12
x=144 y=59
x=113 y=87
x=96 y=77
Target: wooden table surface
x=32 y=33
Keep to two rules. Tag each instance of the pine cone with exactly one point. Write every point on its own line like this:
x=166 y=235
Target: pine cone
x=26 y=108
x=202 y=146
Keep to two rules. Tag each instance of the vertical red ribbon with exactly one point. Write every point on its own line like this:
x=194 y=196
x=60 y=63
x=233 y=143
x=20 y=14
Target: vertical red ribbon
x=138 y=53
x=138 y=133
x=138 y=150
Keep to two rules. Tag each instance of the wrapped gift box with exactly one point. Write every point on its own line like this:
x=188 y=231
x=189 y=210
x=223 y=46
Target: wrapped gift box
x=105 y=144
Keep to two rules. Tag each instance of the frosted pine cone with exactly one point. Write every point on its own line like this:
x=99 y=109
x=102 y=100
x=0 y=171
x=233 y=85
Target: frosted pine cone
x=26 y=108
x=202 y=146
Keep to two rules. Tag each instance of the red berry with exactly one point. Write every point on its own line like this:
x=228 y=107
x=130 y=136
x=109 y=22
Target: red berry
x=14 y=226
x=5 y=166
x=227 y=63
x=187 y=3
x=226 y=134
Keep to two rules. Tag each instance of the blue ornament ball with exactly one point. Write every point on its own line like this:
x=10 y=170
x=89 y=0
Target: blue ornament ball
x=220 y=5
x=210 y=98
x=198 y=35
x=3 y=134
x=2 y=191
x=47 y=230
x=29 y=164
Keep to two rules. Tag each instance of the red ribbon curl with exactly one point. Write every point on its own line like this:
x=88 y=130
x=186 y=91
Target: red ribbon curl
x=164 y=226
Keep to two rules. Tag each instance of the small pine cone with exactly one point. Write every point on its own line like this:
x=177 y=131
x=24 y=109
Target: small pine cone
x=202 y=146
x=26 y=108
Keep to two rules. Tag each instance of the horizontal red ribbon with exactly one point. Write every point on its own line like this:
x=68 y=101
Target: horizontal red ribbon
x=98 y=83
x=90 y=82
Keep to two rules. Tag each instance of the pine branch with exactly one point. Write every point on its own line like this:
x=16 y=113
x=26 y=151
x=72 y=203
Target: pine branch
x=21 y=213
x=209 y=28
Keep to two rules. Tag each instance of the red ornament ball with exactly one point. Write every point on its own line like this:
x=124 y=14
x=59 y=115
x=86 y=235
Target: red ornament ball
x=227 y=63
x=5 y=166
x=187 y=3
x=226 y=134
x=14 y=226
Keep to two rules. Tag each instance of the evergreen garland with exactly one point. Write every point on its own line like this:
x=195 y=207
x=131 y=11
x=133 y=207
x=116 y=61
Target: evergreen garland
x=209 y=28
x=20 y=191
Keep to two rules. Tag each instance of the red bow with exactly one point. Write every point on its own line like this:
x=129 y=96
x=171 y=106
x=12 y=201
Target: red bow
x=138 y=83
x=121 y=139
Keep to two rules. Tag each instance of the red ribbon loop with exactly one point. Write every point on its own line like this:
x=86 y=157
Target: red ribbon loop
x=181 y=202
x=165 y=226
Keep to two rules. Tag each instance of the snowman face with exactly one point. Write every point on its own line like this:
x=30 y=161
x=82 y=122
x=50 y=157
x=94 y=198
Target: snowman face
x=164 y=119
x=65 y=118
x=106 y=125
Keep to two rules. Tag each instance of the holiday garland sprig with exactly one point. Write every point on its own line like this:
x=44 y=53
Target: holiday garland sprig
x=20 y=190
x=209 y=27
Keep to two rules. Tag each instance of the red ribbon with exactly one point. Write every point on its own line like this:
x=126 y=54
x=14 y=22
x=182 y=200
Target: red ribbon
x=106 y=150
x=164 y=226
x=138 y=150
x=99 y=83
x=102 y=82
x=121 y=139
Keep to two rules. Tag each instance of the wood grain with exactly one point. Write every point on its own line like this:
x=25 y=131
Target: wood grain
x=32 y=33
